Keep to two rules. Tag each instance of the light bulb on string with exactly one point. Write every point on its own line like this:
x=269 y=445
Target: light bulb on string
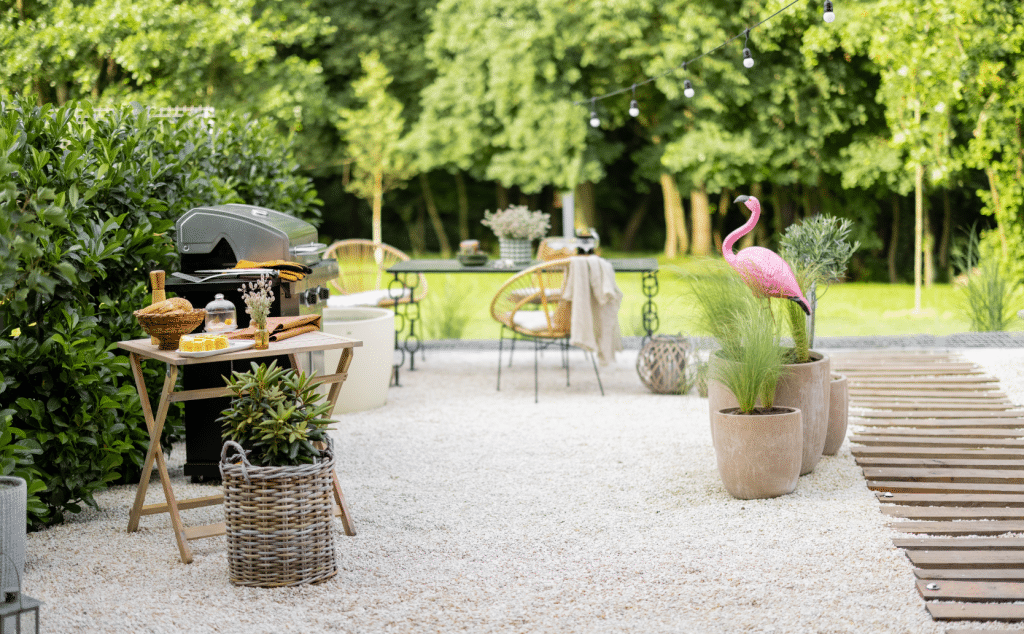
x=688 y=89
x=829 y=15
x=748 y=59
x=634 y=108
x=595 y=122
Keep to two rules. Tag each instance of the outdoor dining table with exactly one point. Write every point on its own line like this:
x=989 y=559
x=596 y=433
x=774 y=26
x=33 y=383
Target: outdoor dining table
x=141 y=349
x=410 y=270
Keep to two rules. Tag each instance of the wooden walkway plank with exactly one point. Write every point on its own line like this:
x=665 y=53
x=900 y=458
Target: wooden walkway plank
x=991 y=423
x=932 y=474
x=984 y=527
x=971 y=590
x=959 y=543
x=895 y=486
x=948 y=431
x=907 y=393
x=980 y=574
x=1010 y=612
x=947 y=560
x=988 y=453
x=935 y=413
x=879 y=406
x=924 y=441
x=950 y=463
x=1001 y=500
x=951 y=512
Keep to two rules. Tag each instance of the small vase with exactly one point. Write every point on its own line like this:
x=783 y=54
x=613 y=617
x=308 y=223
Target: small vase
x=519 y=250
x=262 y=338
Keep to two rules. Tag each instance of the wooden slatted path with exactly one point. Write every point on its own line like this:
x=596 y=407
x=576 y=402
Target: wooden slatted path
x=943 y=449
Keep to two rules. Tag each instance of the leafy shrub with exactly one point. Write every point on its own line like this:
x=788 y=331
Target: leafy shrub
x=87 y=209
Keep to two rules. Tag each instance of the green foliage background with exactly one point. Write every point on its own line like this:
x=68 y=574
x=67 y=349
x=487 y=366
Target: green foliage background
x=86 y=212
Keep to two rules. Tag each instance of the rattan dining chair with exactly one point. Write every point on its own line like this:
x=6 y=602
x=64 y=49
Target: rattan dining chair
x=531 y=305
x=362 y=274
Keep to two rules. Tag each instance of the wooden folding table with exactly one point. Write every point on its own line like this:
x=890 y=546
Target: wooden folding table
x=141 y=349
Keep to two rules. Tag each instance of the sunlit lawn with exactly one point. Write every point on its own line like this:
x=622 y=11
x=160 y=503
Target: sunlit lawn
x=849 y=309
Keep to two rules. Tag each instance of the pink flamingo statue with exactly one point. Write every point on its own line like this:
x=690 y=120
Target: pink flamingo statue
x=764 y=271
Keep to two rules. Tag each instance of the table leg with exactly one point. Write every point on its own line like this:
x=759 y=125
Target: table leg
x=332 y=398
x=155 y=426
x=649 y=311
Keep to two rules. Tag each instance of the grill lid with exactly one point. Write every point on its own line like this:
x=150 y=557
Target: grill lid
x=252 y=233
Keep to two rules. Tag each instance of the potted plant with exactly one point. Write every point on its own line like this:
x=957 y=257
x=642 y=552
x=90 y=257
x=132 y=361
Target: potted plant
x=819 y=251
x=517 y=227
x=277 y=466
x=758 y=445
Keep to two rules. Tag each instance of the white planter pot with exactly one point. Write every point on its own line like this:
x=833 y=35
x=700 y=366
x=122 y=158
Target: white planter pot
x=370 y=372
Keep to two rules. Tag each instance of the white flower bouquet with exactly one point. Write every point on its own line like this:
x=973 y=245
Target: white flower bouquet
x=517 y=222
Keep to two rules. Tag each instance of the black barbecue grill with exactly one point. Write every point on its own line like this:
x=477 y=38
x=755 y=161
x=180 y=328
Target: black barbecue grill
x=211 y=241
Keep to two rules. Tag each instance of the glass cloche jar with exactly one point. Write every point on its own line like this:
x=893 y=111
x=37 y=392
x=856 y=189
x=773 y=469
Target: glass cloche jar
x=220 y=315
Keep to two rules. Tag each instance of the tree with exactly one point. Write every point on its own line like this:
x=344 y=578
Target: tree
x=373 y=135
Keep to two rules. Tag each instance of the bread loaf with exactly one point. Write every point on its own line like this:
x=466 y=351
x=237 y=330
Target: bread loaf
x=175 y=304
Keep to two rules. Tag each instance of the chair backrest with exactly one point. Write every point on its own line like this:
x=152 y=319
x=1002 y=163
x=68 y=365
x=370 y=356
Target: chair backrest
x=362 y=266
x=556 y=248
x=537 y=292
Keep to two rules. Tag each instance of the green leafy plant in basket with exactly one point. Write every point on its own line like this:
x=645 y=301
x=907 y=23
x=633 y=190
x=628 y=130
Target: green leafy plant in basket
x=276 y=414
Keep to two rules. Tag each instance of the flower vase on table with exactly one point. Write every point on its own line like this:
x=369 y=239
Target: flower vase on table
x=516 y=228
x=259 y=297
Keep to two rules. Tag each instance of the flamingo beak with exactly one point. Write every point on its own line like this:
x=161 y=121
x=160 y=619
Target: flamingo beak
x=741 y=199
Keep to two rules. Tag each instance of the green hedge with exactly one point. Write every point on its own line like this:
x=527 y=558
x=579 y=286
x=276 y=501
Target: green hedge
x=88 y=202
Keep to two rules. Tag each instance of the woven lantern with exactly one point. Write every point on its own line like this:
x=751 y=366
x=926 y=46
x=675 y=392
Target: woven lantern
x=661 y=363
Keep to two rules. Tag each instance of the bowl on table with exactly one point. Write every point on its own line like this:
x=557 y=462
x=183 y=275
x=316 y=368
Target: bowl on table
x=169 y=327
x=472 y=259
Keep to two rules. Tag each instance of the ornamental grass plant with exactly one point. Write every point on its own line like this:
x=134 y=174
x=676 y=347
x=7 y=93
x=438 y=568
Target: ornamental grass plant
x=988 y=295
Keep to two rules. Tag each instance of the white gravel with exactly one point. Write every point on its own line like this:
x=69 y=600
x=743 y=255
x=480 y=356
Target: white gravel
x=479 y=511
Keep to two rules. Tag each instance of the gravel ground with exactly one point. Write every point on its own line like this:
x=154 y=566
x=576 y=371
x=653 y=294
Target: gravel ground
x=479 y=511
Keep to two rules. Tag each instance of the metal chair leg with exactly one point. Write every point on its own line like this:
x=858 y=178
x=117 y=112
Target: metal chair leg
x=501 y=339
x=536 y=355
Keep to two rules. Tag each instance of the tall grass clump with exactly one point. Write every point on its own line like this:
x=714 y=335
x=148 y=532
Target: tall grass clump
x=989 y=295
x=748 y=337
x=447 y=312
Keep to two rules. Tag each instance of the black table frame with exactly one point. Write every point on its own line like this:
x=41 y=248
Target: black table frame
x=409 y=312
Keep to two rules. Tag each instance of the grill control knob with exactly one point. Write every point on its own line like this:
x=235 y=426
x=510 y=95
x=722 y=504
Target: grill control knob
x=310 y=297
x=324 y=292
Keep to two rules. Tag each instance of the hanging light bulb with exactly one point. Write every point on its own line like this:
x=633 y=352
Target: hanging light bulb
x=595 y=122
x=688 y=89
x=829 y=15
x=634 y=108
x=748 y=60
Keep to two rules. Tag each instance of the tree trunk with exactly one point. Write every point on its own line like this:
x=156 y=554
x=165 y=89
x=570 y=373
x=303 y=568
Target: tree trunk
x=918 y=232
x=894 y=239
x=676 y=239
x=586 y=207
x=947 y=229
x=993 y=186
x=701 y=218
x=378 y=202
x=633 y=226
x=460 y=189
x=500 y=196
x=929 y=253
x=435 y=217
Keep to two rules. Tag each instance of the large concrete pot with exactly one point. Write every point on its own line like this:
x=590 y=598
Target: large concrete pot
x=803 y=386
x=13 y=521
x=838 y=413
x=758 y=455
x=369 y=375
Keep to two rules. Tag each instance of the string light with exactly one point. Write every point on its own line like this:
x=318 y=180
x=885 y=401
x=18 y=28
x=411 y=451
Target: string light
x=688 y=91
x=829 y=15
x=634 y=108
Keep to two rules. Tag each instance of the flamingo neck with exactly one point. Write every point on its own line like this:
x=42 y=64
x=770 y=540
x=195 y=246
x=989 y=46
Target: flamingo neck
x=730 y=240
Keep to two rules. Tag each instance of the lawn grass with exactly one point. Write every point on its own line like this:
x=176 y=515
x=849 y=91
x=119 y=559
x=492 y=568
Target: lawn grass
x=457 y=305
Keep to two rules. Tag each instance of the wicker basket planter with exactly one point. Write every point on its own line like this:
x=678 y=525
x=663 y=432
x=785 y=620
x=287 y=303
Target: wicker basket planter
x=279 y=520
x=169 y=327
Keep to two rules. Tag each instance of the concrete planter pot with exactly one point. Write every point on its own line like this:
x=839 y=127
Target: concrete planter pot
x=13 y=521
x=804 y=386
x=758 y=455
x=838 y=414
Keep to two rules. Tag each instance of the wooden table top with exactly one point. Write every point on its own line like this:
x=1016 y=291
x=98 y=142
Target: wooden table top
x=308 y=342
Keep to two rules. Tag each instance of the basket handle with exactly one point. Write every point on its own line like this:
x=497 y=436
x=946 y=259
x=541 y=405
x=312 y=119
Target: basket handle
x=230 y=444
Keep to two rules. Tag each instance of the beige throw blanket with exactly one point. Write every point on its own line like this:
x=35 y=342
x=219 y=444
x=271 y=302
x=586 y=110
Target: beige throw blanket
x=596 y=298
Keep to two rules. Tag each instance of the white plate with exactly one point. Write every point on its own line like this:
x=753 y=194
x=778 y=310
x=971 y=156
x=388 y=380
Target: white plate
x=233 y=346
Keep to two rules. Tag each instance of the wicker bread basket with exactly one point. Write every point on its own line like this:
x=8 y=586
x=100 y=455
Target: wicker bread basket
x=279 y=521
x=169 y=327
